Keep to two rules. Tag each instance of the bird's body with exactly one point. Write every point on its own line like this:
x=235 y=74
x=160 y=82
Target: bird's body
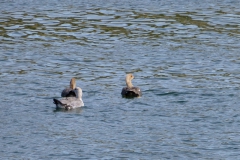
x=130 y=90
x=70 y=102
x=68 y=92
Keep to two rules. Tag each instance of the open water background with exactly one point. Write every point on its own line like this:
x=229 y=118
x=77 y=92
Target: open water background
x=184 y=56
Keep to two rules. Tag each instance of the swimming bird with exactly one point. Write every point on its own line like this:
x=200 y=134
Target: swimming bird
x=68 y=92
x=130 y=90
x=70 y=102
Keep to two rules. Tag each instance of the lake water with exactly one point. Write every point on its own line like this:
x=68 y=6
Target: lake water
x=185 y=56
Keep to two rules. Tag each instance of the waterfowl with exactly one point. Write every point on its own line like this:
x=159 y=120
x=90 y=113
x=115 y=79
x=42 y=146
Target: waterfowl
x=130 y=90
x=68 y=92
x=70 y=102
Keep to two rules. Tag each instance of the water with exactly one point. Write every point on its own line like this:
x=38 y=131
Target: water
x=184 y=56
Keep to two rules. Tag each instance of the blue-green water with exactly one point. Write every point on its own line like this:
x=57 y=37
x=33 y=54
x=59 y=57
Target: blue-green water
x=184 y=56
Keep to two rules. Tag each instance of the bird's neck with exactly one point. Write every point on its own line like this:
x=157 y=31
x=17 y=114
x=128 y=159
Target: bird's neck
x=129 y=83
x=72 y=85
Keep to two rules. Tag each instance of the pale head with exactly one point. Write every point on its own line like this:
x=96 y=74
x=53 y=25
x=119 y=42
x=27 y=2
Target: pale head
x=73 y=83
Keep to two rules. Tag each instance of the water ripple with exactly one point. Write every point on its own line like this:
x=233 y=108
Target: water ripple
x=184 y=56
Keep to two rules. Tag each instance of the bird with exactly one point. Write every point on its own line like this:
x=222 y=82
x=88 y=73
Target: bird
x=68 y=103
x=68 y=92
x=130 y=90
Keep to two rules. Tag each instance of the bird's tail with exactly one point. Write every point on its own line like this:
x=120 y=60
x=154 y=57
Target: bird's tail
x=55 y=101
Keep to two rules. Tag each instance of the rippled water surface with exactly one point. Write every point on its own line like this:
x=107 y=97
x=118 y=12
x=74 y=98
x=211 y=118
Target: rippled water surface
x=185 y=56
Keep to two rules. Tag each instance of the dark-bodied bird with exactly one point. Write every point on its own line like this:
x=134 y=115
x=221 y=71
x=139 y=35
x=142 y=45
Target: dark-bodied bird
x=130 y=90
x=68 y=92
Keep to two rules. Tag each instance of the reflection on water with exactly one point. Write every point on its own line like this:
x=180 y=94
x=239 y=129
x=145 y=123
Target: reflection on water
x=130 y=24
x=185 y=58
x=77 y=110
